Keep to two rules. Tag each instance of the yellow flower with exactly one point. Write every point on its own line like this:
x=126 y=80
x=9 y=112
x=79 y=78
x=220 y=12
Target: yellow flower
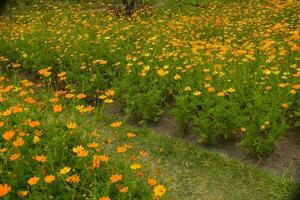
x=49 y=179
x=80 y=151
x=36 y=139
x=65 y=170
x=4 y=189
x=3 y=150
x=177 y=77
x=115 y=178
x=267 y=71
x=159 y=190
x=231 y=90
x=72 y=125
x=135 y=166
x=197 y=93
x=188 y=88
x=33 y=180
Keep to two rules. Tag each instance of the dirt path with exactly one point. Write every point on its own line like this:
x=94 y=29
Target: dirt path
x=284 y=160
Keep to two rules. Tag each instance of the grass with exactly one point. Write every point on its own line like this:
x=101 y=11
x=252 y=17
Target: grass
x=193 y=173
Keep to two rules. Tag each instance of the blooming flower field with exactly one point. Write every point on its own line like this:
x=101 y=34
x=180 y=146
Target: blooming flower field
x=48 y=151
x=226 y=71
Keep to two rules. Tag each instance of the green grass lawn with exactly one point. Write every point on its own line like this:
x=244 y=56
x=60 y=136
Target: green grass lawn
x=193 y=173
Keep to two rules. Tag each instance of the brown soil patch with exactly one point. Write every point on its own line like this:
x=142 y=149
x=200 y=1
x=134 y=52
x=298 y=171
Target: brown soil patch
x=284 y=160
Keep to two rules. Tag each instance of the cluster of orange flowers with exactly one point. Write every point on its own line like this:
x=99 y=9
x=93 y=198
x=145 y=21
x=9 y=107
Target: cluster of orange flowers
x=28 y=140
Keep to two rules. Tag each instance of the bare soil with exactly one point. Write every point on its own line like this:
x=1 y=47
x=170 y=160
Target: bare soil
x=284 y=160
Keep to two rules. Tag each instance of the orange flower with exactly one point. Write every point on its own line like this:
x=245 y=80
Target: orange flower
x=49 y=179
x=243 y=130
x=221 y=94
x=33 y=123
x=22 y=134
x=61 y=74
x=121 y=149
x=18 y=142
x=116 y=124
x=211 y=89
x=30 y=100
x=16 y=65
x=57 y=108
x=104 y=158
x=130 y=135
x=33 y=180
x=8 y=135
x=69 y=96
x=40 y=158
x=14 y=157
x=93 y=145
x=1 y=124
x=4 y=189
x=143 y=153
x=17 y=109
x=115 y=178
x=124 y=189
x=45 y=72
x=152 y=181
x=96 y=161
x=22 y=194
x=102 y=62
x=104 y=198
x=73 y=179
x=81 y=96
x=110 y=92
x=54 y=100
x=285 y=105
